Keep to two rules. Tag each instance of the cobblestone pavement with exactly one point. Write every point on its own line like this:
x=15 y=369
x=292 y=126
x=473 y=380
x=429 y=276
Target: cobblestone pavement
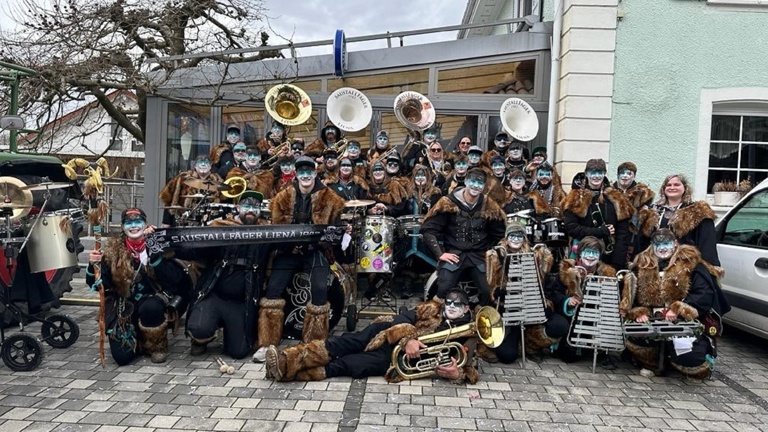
x=72 y=392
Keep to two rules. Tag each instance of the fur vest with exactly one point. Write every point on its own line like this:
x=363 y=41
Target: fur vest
x=326 y=206
x=122 y=266
x=315 y=148
x=685 y=219
x=393 y=192
x=649 y=289
x=494 y=265
x=175 y=189
x=573 y=280
x=578 y=201
x=638 y=195
x=217 y=151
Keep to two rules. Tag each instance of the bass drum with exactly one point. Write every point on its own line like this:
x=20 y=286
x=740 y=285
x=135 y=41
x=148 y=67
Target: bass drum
x=52 y=243
x=296 y=298
x=375 y=248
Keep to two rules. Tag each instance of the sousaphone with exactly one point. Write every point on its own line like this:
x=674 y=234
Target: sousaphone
x=288 y=104
x=414 y=110
x=349 y=109
x=519 y=120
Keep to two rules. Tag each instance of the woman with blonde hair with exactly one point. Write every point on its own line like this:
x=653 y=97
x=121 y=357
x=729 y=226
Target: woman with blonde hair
x=692 y=222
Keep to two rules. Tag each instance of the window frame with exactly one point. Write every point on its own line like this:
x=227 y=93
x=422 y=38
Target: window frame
x=740 y=143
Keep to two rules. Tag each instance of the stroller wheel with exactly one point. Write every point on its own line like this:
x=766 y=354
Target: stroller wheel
x=60 y=331
x=351 y=317
x=21 y=352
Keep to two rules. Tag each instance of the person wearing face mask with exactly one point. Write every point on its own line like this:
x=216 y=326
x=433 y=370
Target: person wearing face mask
x=562 y=292
x=297 y=147
x=257 y=179
x=389 y=195
x=539 y=156
x=546 y=192
x=393 y=167
x=469 y=224
x=416 y=148
x=347 y=184
x=307 y=201
x=328 y=171
x=276 y=136
x=175 y=189
x=353 y=153
x=515 y=158
x=537 y=337
x=499 y=170
x=499 y=148
x=517 y=199
x=598 y=210
x=413 y=257
x=139 y=285
x=639 y=195
x=329 y=136
x=474 y=156
x=369 y=352
x=672 y=282
x=457 y=177
x=221 y=156
x=284 y=171
x=380 y=146
x=693 y=222
x=226 y=292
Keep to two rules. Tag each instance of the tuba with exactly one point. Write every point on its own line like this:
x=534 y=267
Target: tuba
x=518 y=119
x=288 y=104
x=487 y=326
x=414 y=111
x=237 y=185
x=349 y=109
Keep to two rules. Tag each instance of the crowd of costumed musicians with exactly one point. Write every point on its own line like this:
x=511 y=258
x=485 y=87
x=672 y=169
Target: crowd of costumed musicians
x=266 y=241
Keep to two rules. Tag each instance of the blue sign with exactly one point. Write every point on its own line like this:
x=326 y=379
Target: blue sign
x=339 y=53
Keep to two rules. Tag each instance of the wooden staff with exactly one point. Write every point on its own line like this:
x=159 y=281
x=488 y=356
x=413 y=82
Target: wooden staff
x=97 y=211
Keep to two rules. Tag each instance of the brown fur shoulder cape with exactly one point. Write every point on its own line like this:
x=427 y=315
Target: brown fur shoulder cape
x=578 y=201
x=120 y=263
x=489 y=211
x=326 y=206
x=655 y=291
x=685 y=220
x=572 y=279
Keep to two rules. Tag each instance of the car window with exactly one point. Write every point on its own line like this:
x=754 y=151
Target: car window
x=748 y=226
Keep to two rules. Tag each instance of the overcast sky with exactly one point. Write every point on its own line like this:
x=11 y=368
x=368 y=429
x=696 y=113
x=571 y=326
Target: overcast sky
x=312 y=20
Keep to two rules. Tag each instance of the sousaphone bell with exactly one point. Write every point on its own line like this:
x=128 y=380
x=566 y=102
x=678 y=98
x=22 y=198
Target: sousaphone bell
x=349 y=109
x=288 y=104
x=414 y=111
x=518 y=119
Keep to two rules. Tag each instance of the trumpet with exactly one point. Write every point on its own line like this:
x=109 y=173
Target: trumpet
x=278 y=150
x=385 y=155
x=487 y=326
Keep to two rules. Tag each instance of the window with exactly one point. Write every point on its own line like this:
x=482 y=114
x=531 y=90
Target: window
x=189 y=129
x=137 y=146
x=738 y=149
x=514 y=79
x=115 y=137
x=747 y=226
x=391 y=83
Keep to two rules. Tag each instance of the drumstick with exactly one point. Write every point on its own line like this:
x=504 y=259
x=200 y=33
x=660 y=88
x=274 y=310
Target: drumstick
x=224 y=367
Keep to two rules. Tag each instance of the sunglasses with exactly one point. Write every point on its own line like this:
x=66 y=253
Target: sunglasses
x=454 y=303
x=435 y=150
x=465 y=142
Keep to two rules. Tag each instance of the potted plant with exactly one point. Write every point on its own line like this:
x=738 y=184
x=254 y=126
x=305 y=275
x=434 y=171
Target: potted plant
x=726 y=193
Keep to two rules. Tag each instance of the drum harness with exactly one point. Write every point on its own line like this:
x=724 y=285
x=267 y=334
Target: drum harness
x=230 y=263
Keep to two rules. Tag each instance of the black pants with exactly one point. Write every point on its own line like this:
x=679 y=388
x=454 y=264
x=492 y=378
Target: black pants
x=286 y=265
x=212 y=312
x=150 y=311
x=509 y=349
x=349 y=358
x=447 y=279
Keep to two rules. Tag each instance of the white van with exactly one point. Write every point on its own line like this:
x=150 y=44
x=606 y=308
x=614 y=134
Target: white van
x=742 y=244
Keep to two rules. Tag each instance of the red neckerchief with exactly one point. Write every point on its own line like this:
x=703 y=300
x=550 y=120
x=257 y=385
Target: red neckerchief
x=288 y=178
x=135 y=247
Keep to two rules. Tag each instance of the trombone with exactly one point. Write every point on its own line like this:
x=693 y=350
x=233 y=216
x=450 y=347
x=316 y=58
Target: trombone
x=278 y=150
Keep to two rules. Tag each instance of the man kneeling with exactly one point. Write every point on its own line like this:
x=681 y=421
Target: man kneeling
x=369 y=352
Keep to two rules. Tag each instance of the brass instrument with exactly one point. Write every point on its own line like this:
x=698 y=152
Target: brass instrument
x=288 y=104
x=487 y=326
x=349 y=109
x=518 y=119
x=385 y=155
x=278 y=150
x=237 y=185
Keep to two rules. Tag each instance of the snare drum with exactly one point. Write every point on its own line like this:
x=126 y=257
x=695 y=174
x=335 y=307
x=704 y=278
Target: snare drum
x=375 y=252
x=296 y=298
x=408 y=226
x=554 y=232
x=51 y=243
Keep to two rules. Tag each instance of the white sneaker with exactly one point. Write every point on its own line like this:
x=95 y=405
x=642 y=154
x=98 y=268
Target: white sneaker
x=260 y=356
x=647 y=373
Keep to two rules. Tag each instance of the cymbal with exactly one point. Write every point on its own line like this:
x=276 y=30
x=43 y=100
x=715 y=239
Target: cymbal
x=13 y=206
x=193 y=196
x=46 y=186
x=359 y=203
x=206 y=185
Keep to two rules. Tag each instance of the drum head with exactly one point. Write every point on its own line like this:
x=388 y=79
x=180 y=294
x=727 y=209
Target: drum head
x=296 y=299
